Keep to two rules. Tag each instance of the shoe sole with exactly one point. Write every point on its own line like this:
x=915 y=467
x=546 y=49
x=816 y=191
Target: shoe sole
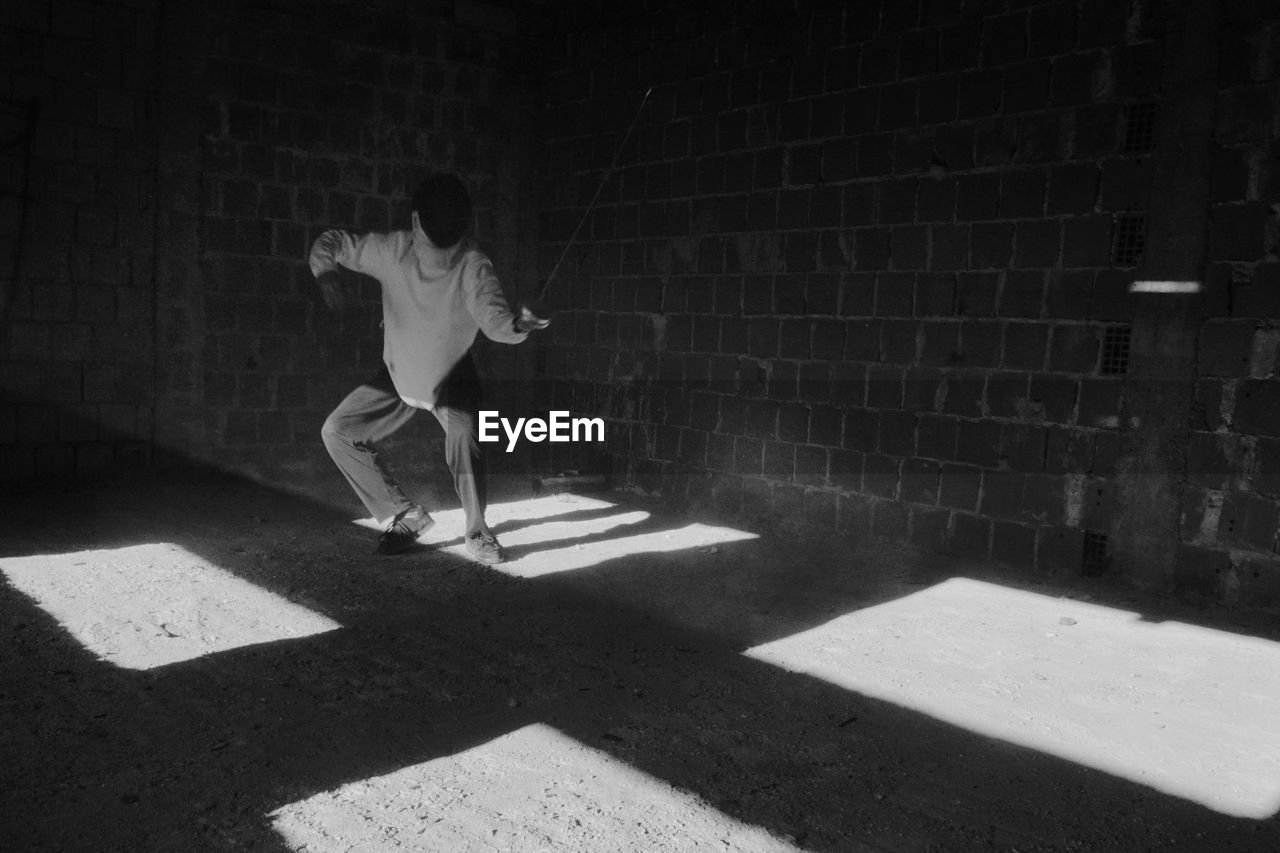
x=391 y=552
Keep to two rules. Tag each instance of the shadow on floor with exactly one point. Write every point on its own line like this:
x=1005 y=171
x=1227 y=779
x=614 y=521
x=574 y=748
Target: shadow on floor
x=639 y=657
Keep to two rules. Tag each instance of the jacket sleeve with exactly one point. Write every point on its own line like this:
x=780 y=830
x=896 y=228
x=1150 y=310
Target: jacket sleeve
x=489 y=306
x=334 y=248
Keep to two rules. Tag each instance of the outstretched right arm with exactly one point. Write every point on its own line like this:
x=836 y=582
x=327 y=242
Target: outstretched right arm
x=336 y=248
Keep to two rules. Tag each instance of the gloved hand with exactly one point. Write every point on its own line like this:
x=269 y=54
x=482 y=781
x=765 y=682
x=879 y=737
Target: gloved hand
x=533 y=317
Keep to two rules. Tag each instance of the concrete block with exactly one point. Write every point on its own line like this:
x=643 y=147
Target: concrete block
x=921 y=389
x=885 y=387
x=941 y=344
x=748 y=456
x=720 y=452
x=871 y=248
x=1250 y=521
x=1266 y=477
x=826 y=426
x=898 y=106
x=895 y=295
x=793 y=422
x=920 y=481
x=880 y=475
x=1022 y=193
x=857 y=294
x=820 y=509
x=1068 y=451
x=897 y=432
x=1051 y=29
x=890 y=520
x=979 y=344
x=1037 y=243
x=1259 y=579
x=991 y=245
x=1200 y=572
x=1025 y=346
x=910 y=247
x=1026 y=86
x=1054 y=399
x=854 y=514
x=970 y=536
x=861 y=430
x=1101 y=24
x=1259 y=296
x=976 y=293
x=1022 y=447
x=949 y=247
x=936 y=199
x=1060 y=550
x=1008 y=395
x=929 y=528
x=960 y=487
x=978 y=196
x=897 y=201
x=1074 y=349
x=1002 y=494
x=1013 y=544
x=978 y=443
x=899 y=341
x=1237 y=231
x=1213 y=459
x=959 y=45
x=936 y=437
x=844 y=470
x=1023 y=295
x=1257 y=409
x=980 y=93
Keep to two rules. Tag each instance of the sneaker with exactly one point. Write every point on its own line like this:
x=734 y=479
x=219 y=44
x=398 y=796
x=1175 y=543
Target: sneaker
x=403 y=531
x=485 y=548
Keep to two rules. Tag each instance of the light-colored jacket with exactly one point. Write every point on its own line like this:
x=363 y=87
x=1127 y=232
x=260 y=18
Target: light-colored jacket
x=433 y=303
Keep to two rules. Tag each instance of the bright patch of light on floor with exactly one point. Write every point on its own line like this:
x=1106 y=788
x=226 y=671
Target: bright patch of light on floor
x=450 y=522
x=151 y=605
x=534 y=789
x=541 y=541
x=580 y=556
x=1186 y=710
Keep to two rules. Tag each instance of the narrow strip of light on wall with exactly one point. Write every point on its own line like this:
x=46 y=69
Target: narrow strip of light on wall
x=1165 y=287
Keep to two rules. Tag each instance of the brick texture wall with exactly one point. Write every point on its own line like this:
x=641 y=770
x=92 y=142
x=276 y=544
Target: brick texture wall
x=77 y=355
x=183 y=159
x=321 y=118
x=865 y=267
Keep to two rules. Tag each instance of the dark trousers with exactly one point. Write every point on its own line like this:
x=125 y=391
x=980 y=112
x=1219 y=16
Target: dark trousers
x=374 y=411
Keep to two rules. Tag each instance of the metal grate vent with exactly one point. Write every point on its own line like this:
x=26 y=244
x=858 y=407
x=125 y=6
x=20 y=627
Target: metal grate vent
x=1115 y=350
x=1097 y=555
x=1140 y=127
x=1131 y=239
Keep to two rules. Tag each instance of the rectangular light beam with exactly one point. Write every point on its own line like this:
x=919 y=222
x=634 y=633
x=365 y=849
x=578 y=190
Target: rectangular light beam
x=534 y=789
x=1186 y=710
x=152 y=605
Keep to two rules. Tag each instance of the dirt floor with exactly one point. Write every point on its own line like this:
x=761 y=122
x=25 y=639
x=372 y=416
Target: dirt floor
x=209 y=665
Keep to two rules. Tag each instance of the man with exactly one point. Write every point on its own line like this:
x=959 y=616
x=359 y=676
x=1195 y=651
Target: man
x=438 y=291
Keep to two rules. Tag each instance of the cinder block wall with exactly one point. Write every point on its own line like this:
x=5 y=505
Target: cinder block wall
x=329 y=118
x=183 y=159
x=864 y=267
x=77 y=177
